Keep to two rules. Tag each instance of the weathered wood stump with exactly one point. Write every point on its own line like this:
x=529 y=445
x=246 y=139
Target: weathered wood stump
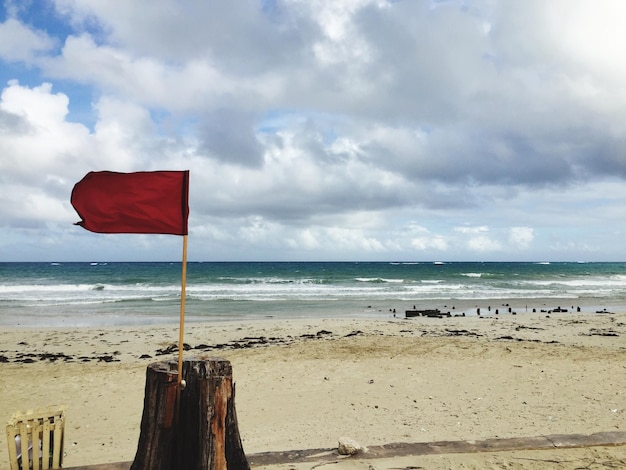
x=193 y=428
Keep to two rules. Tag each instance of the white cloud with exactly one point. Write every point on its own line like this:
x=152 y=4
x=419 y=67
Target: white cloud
x=42 y=144
x=307 y=240
x=591 y=35
x=437 y=243
x=483 y=244
x=478 y=239
x=352 y=239
x=521 y=237
x=20 y=43
x=421 y=239
x=143 y=79
x=471 y=230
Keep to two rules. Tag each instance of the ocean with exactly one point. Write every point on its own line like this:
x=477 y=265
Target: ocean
x=120 y=293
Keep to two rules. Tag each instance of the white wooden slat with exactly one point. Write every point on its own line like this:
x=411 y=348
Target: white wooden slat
x=45 y=444
x=12 y=433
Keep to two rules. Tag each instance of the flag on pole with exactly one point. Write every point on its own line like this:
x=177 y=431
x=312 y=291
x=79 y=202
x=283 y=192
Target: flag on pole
x=154 y=202
x=141 y=202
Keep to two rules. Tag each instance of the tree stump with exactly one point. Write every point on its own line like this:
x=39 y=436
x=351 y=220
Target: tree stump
x=194 y=428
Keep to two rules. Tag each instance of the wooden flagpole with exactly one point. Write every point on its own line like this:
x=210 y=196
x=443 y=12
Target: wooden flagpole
x=182 y=314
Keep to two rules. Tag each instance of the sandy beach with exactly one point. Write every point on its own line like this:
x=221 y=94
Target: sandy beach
x=302 y=384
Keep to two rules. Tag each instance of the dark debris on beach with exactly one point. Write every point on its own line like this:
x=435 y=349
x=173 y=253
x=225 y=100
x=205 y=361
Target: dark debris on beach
x=243 y=343
x=511 y=338
x=31 y=358
x=252 y=342
x=599 y=332
x=248 y=342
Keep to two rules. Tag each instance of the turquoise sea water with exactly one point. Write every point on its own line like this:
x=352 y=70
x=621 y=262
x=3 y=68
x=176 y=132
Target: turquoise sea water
x=87 y=294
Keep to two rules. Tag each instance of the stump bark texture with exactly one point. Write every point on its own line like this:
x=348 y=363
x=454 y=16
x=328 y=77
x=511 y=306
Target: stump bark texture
x=195 y=428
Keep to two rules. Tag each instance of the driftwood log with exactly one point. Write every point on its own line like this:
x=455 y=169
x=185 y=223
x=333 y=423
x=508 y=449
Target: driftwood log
x=194 y=428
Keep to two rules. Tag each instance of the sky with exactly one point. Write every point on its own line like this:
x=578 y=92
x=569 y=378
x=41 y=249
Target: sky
x=321 y=130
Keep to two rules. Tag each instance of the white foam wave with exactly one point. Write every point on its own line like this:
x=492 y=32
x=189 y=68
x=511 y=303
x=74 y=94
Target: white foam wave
x=378 y=279
x=474 y=285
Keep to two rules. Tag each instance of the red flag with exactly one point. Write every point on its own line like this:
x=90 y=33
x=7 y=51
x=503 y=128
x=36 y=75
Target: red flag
x=141 y=202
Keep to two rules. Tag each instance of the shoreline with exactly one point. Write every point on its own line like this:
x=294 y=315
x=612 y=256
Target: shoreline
x=372 y=309
x=302 y=383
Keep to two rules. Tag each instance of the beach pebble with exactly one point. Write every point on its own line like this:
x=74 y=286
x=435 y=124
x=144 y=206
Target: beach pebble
x=348 y=446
